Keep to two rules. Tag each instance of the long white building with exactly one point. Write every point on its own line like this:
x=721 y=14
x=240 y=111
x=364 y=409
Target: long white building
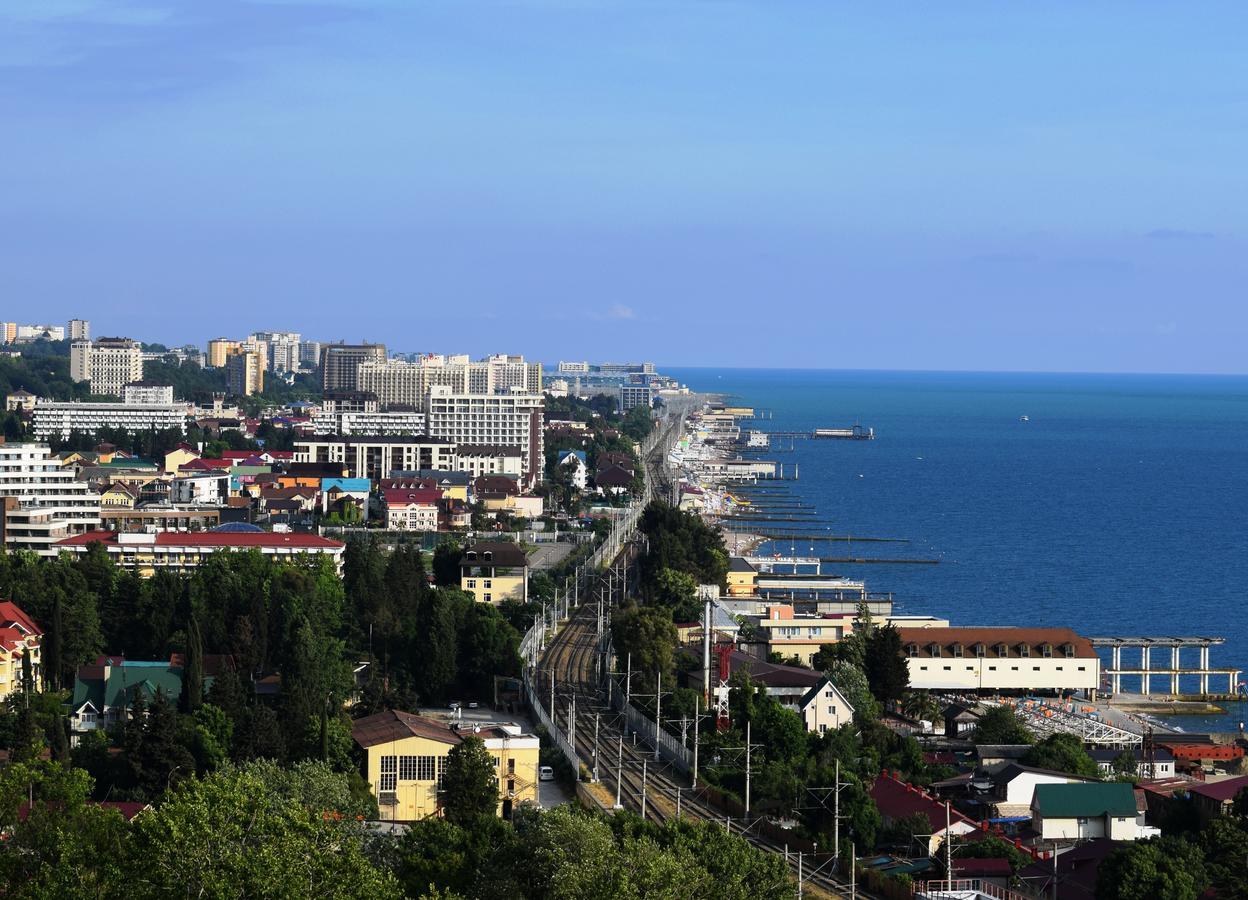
x=397 y=382
x=42 y=502
x=60 y=419
x=497 y=420
x=999 y=659
x=369 y=422
x=376 y=456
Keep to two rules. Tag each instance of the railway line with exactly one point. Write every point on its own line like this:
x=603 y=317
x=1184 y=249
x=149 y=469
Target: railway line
x=569 y=683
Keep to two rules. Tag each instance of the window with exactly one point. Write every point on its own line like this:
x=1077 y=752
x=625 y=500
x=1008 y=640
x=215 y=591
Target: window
x=922 y=668
x=1035 y=668
x=1046 y=650
x=1083 y=668
x=486 y=584
x=511 y=765
x=992 y=668
x=487 y=598
x=1013 y=668
x=427 y=768
x=970 y=668
x=947 y=668
x=511 y=786
x=979 y=649
x=1059 y=668
x=936 y=650
x=1024 y=650
x=472 y=583
x=389 y=773
x=912 y=649
x=441 y=769
x=1002 y=650
x=1069 y=650
x=407 y=768
x=957 y=650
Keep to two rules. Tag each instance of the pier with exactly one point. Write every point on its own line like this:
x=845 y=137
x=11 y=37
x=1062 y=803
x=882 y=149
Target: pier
x=854 y=433
x=1147 y=672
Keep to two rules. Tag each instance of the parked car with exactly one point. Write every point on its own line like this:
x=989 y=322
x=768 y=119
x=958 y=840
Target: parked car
x=545 y=773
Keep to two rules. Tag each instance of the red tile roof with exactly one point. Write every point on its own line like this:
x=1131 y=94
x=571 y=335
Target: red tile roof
x=396 y=725
x=421 y=496
x=11 y=614
x=1222 y=791
x=896 y=799
x=212 y=539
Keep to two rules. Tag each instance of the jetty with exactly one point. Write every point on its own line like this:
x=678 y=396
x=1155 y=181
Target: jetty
x=1146 y=671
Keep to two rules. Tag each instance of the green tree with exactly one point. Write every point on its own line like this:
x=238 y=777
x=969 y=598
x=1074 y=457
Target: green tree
x=1062 y=753
x=193 y=678
x=1124 y=764
x=446 y=557
x=1224 y=841
x=1169 y=867
x=470 y=786
x=886 y=669
x=649 y=634
x=852 y=682
x=1001 y=725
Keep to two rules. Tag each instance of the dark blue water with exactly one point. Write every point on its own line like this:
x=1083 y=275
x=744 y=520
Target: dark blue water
x=1120 y=507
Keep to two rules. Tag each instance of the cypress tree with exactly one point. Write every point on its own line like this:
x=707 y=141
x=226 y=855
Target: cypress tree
x=193 y=674
x=53 y=641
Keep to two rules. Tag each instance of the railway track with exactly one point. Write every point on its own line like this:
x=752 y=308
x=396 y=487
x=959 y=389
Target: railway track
x=599 y=734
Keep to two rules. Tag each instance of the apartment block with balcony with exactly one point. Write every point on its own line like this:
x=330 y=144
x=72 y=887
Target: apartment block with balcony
x=42 y=502
x=61 y=419
x=106 y=365
x=377 y=456
x=497 y=420
x=340 y=364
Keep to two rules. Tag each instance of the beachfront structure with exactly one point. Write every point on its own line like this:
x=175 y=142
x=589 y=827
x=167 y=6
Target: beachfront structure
x=406 y=759
x=497 y=420
x=42 y=501
x=340 y=364
x=1000 y=659
x=148 y=553
x=376 y=456
x=59 y=420
x=107 y=364
x=1082 y=811
x=20 y=636
x=495 y=571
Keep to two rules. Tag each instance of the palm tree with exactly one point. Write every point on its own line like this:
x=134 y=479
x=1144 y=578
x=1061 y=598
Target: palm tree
x=921 y=705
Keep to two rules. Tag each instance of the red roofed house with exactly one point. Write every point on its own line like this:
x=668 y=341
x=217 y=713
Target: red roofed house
x=897 y=799
x=19 y=635
x=1217 y=797
x=181 y=551
x=411 y=510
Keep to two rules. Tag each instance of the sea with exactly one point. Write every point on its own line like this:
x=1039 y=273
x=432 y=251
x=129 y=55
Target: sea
x=1110 y=504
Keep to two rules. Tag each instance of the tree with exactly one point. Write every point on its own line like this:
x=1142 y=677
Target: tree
x=193 y=675
x=852 y=682
x=649 y=634
x=1062 y=753
x=470 y=786
x=1224 y=841
x=679 y=592
x=886 y=668
x=1001 y=725
x=1169 y=867
x=160 y=758
x=1124 y=764
x=446 y=557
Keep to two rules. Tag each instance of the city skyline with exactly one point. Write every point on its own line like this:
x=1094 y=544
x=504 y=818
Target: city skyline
x=883 y=188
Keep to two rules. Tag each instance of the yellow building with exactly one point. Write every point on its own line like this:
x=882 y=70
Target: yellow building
x=221 y=348
x=119 y=495
x=495 y=571
x=179 y=456
x=742 y=578
x=406 y=759
x=19 y=635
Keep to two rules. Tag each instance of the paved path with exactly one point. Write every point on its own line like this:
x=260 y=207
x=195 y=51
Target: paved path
x=548 y=555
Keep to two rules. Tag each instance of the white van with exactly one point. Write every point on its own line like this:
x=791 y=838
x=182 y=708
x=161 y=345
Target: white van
x=545 y=773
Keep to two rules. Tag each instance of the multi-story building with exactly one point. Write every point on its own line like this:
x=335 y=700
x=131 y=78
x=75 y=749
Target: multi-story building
x=309 y=355
x=340 y=364
x=398 y=382
x=178 y=552
x=106 y=364
x=495 y=571
x=20 y=636
x=411 y=510
x=376 y=456
x=79 y=330
x=499 y=420
x=245 y=372
x=283 y=349
x=1000 y=659
x=406 y=759
x=61 y=419
x=147 y=393
x=634 y=395
x=25 y=334
x=573 y=368
x=220 y=349
x=390 y=422
x=42 y=502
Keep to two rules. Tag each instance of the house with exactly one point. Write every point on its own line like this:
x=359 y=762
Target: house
x=897 y=800
x=411 y=510
x=1015 y=785
x=575 y=460
x=105 y=689
x=995 y=757
x=961 y=720
x=613 y=479
x=801 y=636
x=1000 y=659
x=1161 y=765
x=1216 y=798
x=825 y=708
x=495 y=571
x=20 y=636
x=119 y=495
x=339 y=493
x=453 y=485
x=742 y=577
x=1085 y=810
x=405 y=759
x=20 y=400
x=205 y=489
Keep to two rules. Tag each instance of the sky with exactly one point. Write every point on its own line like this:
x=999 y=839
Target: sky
x=978 y=186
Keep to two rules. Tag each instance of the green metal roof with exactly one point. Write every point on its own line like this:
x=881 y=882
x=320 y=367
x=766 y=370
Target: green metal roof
x=1069 y=801
x=125 y=680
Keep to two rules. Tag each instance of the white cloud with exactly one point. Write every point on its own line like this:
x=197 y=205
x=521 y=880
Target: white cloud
x=620 y=311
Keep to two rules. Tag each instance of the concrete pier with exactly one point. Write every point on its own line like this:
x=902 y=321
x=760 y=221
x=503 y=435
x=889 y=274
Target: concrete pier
x=1147 y=671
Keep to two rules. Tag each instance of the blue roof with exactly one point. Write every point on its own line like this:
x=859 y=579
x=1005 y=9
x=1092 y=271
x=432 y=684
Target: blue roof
x=235 y=528
x=579 y=454
x=346 y=484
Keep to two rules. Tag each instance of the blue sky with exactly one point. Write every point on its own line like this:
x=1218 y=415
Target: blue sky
x=887 y=185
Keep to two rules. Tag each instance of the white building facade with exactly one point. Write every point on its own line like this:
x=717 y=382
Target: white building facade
x=60 y=419
x=107 y=364
x=497 y=420
x=42 y=502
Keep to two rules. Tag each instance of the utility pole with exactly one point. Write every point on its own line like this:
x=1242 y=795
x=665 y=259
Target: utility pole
x=696 y=732
x=853 y=873
x=619 y=769
x=572 y=724
x=836 y=817
x=595 y=748
x=628 y=679
x=658 y=717
x=643 y=790
x=799 y=875
x=552 y=698
x=948 y=848
x=677 y=804
x=747 y=769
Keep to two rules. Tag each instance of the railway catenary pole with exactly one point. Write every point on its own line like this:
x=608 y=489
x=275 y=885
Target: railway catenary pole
x=658 y=718
x=643 y=790
x=597 y=716
x=619 y=769
x=697 y=712
x=747 y=769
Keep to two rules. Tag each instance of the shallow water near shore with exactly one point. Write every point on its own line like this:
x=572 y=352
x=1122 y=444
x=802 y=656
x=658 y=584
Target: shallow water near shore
x=1117 y=507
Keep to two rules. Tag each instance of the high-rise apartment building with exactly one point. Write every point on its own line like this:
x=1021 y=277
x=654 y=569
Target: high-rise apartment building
x=340 y=364
x=244 y=371
x=106 y=364
x=219 y=350
x=41 y=501
x=309 y=355
x=79 y=330
x=283 y=349
x=399 y=383
x=513 y=419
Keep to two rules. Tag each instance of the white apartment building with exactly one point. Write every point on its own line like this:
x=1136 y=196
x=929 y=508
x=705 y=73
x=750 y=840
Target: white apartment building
x=376 y=456
x=146 y=393
x=574 y=368
x=79 y=330
x=383 y=423
x=106 y=364
x=498 y=420
x=208 y=489
x=42 y=502
x=26 y=333
x=283 y=349
x=59 y=419
x=397 y=382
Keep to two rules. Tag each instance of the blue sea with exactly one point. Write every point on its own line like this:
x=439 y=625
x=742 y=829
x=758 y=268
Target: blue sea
x=1119 y=507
